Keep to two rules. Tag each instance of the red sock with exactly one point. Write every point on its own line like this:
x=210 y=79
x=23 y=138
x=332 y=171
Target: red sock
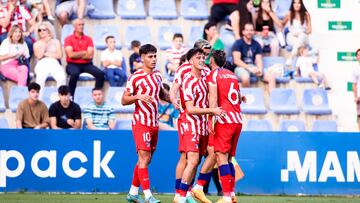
x=232 y=184
x=135 y=180
x=144 y=178
x=226 y=184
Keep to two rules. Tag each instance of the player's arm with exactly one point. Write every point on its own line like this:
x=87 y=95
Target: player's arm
x=173 y=92
x=128 y=98
x=53 y=123
x=213 y=103
x=191 y=109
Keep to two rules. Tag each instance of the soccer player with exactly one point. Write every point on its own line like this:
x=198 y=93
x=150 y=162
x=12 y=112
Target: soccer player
x=144 y=88
x=176 y=87
x=224 y=92
x=194 y=120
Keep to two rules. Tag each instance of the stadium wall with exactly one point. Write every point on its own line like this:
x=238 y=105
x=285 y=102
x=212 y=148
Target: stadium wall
x=103 y=161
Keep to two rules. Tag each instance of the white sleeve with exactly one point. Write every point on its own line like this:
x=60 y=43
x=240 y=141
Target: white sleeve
x=4 y=48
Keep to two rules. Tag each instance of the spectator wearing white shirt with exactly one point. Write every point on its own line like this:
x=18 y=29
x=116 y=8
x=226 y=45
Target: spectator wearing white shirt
x=111 y=60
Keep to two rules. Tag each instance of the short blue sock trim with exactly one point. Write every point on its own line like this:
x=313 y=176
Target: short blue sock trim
x=232 y=169
x=184 y=187
x=177 y=183
x=205 y=176
x=224 y=170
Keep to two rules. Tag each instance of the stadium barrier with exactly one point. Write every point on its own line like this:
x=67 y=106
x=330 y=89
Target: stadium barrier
x=103 y=161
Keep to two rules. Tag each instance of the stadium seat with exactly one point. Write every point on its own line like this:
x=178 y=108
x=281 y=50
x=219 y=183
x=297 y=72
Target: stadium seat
x=196 y=33
x=86 y=77
x=4 y=123
x=122 y=124
x=255 y=101
x=17 y=94
x=83 y=96
x=2 y=101
x=50 y=95
x=194 y=9
x=136 y=32
x=283 y=101
x=292 y=125
x=113 y=99
x=324 y=126
x=131 y=9
x=165 y=35
x=258 y=125
x=102 y=10
x=270 y=61
x=282 y=7
x=315 y=102
x=162 y=9
x=101 y=32
x=67 y=30
x=167 y=76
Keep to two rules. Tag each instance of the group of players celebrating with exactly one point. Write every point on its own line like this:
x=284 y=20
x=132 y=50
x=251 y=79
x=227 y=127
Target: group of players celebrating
x=209 y=125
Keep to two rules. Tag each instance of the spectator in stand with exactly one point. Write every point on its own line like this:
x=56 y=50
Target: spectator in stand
x=16 y=14
x=356 y=86
x=135 y=59
x=299 y=24
x=40 y=8
x=65 y=114
x=222 y=8
x=167 y=113
x=266 y=24
x=13 y=55
x=248 y=59
x=98 y=115
x=111 y=60
x=79 y=49
x=211 y=35
x=48 y=52
x=67 y=8
x=174 y=54
x=305 y=68
x=31 y=112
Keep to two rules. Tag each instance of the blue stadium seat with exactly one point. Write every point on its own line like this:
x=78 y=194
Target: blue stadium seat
x=4 y=123
x=283 y=101
x=255 y=101
x=258 y=125
x=196 y=33
x=2 y=101
x=162 y=9
x=102 y=10
x=131 y=9
x=113 y=99
x=292 y=125
x=86 y=77
x=50 y=95
x=83 y=96
x=167 y=76
x=17 y=94
x=165 y=35
x=67 y=30
x=324 y=126
x=315 y=102
x=122 y=124
x=282 y=7
x=272 y=60
x=136 y=32
x=101 y=32
x=194 y=9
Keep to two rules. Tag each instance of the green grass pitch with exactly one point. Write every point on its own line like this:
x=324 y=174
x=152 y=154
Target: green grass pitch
x=110 y=198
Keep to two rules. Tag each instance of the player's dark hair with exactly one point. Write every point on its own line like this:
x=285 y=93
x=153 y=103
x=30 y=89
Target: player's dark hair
x=64 y=90
x=207 y=27
x=95 y=89
x=182 y=59
x=357 y=52
x=147 y=48
x=109 y=37
x=219 y=57
x=34 y=86
x=178 y=35
x=135 y=43
x=166 y=86
x=192 y=52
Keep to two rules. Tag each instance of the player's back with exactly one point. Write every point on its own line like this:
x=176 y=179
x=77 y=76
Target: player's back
x=228 y=93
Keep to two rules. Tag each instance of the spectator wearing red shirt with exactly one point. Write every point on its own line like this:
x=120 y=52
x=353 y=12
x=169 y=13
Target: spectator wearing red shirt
x=79 y=50
x=222 y=8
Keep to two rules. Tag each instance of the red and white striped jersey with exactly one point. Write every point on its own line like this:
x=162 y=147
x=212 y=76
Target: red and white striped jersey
x=196 y=90
x=228 y=94
x=19 y=17
x=141 y=82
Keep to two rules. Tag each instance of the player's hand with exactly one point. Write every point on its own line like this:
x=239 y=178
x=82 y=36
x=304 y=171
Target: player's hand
x=145 y=98
x=176 y=103
x=71 y=122
x=219 y=112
